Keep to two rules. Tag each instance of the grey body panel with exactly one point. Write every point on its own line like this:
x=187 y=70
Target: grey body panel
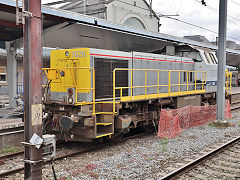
x=161 y=62
x=138 y=60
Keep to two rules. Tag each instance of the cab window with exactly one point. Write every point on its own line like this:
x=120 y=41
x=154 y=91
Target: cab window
x=213 y=59
x=207 y=57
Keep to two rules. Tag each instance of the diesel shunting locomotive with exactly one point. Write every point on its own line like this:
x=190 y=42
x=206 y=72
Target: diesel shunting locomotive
x=93 y=93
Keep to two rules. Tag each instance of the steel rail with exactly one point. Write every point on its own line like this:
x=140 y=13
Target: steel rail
x=12 y=155
x=78 y=152
x=201 y=160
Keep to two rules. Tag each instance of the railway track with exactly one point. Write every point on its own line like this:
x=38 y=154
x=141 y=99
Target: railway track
x=221 y=162
x=80 y=151
x=235 y=106
x=71 y=154
x=11 y=155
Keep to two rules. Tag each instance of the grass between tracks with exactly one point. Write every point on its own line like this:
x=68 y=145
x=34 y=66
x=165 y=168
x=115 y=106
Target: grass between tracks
x=10 y=149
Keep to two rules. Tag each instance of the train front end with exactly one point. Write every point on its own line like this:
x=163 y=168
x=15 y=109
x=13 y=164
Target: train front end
x=68 y=94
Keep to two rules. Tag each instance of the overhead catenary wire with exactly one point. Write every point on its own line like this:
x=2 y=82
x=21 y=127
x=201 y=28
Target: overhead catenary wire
x=134 y=5
x=185 y=22
x=235 y=2
x=191 y=24
x=200 y=27
x=216 y=10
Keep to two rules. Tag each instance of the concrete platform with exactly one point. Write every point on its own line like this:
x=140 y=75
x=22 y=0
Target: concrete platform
x=11 y=123
x=235 y=90
x=11 y=132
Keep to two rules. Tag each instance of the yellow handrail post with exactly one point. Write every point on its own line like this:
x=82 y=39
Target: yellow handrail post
x=230 y=83
x=187 y=81
x=94 y=91
x=145 y=83
x=169 y=83
x=226 y=83
x=179 y=82
x=75 y=84
x=203 y=80
x=114 y=91
x=195 y=81
x=158 y=84
x=131 y=83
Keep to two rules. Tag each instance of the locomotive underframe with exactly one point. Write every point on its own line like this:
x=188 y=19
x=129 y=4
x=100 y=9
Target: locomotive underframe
x=75 y=123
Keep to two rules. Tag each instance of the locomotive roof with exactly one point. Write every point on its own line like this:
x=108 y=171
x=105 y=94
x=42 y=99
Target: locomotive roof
x=128 y=55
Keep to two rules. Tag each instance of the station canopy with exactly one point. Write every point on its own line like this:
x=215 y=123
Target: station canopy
x=66 y=29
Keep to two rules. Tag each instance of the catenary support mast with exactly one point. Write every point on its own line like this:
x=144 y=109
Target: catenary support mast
x=221 y=59
x=32 y=87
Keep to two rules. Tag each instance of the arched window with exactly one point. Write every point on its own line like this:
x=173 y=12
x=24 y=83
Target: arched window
x=134 y=22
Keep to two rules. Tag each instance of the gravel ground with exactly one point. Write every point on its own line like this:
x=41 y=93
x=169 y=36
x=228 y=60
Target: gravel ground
x=143 y=158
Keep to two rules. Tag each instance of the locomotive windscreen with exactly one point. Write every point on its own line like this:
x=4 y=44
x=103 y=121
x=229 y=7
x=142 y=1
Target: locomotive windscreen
x=104 y=77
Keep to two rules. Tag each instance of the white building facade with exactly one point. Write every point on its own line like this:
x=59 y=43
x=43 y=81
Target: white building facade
x=135 y=13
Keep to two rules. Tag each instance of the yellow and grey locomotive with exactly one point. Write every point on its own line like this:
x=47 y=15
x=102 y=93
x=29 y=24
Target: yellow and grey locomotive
x=93 y=93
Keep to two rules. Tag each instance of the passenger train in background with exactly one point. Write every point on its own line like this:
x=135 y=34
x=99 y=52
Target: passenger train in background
x=94 y=94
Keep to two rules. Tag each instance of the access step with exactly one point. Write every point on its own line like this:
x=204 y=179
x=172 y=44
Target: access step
x=104 y=113
x=99 y=135
x=103 y=124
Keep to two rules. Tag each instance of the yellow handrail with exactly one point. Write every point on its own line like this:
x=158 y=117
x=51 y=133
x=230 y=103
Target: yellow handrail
x=74 y=85
x=228 y=82
x=158 y=94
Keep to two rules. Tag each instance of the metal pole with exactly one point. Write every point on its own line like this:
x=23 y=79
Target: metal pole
x=32 y=30
x=150 y=3
x=221 y=59
x=84 y=7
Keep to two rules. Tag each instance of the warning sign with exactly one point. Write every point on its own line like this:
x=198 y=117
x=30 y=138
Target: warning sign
x=36 y=114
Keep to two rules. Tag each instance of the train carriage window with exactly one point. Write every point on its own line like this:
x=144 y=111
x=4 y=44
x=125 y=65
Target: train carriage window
x=198 y=57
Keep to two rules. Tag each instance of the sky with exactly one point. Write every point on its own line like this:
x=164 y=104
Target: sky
x=193 y=12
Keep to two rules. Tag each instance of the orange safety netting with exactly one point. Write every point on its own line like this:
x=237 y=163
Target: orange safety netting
x=173 y=121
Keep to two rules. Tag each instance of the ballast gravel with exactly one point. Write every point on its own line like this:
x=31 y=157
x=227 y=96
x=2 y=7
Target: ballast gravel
x=142 y=158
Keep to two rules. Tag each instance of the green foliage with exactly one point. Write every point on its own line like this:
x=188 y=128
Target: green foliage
x=164 y=148
x=179 y=138
x=210 y=124
x=10 y=149
x=164 y=141
x=213 y=125
x=164 y=144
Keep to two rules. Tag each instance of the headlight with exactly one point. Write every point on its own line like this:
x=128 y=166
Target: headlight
x=67 y=54
x=70 y=100
x=43 y=98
